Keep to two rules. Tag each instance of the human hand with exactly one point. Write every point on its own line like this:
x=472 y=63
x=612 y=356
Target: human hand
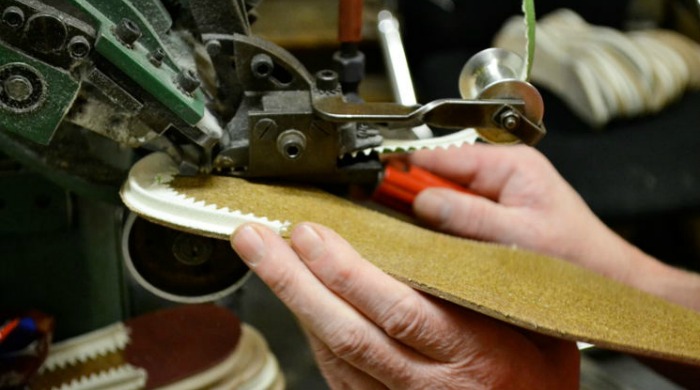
x=370 y=331
x=522 y=201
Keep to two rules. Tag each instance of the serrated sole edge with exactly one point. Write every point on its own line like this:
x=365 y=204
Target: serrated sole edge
x=147 y=190
x=89 y=346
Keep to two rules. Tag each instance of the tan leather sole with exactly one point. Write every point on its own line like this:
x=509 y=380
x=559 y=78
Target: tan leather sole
x=533 y=291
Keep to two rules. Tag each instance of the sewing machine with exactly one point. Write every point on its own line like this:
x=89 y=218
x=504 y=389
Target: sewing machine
x=88 y=86
x=196 y=83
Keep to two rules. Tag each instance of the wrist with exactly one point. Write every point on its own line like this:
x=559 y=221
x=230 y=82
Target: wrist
x=612 y=256
x=644 y=272
x=671 y=283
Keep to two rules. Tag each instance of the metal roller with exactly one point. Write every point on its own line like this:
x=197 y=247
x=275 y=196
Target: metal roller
x=495 y=74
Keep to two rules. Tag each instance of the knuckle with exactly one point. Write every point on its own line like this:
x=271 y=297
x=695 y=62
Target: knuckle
x=404 y=319
x=341 y=280
x=349 y=343
x=528 y=152
x=470 y=219
x=324 y=357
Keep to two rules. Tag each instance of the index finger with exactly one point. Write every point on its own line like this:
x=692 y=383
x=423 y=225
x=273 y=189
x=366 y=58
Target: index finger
x=484 y=169
x=402 y=312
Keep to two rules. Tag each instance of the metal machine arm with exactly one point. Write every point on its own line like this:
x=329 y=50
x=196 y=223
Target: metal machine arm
x=194 y=82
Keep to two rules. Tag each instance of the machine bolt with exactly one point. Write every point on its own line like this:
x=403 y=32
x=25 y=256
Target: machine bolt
x=262 y=66
x=127 y=31
x=78 y=47
x=327 y=80
x=187 y=80
x=224 y=162
x=13 y=17
x=213 y=47
x=22 y=88
x=157 y=57
x=291 y=144
x=264 y=126
x=18 y=88
x=509 y=120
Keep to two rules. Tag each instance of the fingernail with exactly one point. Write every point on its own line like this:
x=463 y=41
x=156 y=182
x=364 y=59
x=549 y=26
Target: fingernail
x=248 y=243
x=308 y=243
x=432 y=205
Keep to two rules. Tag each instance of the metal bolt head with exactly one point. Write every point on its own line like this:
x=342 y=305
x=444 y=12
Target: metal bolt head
x=127 y=31
x=510 y=120
x=291 y=144
x=264 y=126
x=224 y=162
x=213 y=47
x=156 y=57
x=187 y=80
x=327 y=80
x=13 y=17
x=22 y=87
x=78 y=47
x=18 y=88
x=262 y=66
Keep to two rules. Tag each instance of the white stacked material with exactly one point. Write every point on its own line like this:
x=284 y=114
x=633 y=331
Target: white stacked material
x=603 y=73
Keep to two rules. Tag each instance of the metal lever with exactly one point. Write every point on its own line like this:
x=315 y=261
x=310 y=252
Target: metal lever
x=502 y=114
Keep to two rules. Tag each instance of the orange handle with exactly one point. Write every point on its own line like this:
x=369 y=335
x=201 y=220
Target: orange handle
x=402 y=182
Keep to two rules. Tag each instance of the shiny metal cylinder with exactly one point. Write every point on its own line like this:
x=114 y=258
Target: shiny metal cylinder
x=495 y=73
x=487 y=68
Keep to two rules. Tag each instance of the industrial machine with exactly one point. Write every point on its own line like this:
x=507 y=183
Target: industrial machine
x=87 y=86
x=190 y=79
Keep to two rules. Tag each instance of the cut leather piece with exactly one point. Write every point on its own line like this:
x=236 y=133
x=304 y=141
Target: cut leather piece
x=536 y=292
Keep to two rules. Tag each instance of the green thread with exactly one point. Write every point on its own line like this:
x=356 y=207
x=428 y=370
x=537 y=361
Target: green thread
x=530 y=27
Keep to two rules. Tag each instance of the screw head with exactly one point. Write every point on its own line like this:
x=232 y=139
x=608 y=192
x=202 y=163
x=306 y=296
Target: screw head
x=22 y=88
x=291 y=144
x=18 y=88
x=13 y=17
x=264 y=126
x=262 y=66
x=327 y=80
x=187 y=80
x=78 y=47
x=510 y=120
x=157 y=57
x=127 y=31
x=213 y=47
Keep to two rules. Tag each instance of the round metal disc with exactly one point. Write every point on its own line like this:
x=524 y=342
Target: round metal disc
x=179 y=266
x=495 y=74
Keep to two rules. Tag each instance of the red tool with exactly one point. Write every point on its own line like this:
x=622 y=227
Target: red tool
x=402 y=182
x=8 y=327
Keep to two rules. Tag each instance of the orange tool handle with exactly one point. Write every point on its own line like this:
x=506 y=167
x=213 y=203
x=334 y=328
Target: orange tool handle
x=402 y=182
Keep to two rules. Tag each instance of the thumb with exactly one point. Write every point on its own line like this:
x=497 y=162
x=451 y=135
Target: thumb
x=463 y=215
